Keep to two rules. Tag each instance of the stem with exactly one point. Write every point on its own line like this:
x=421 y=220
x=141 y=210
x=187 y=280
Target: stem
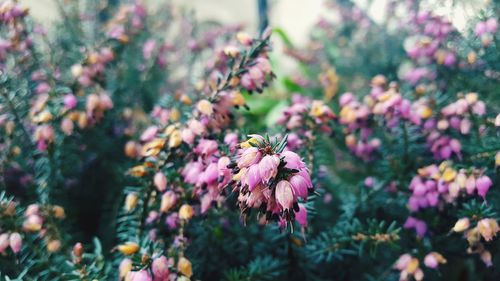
x=17 y=118
x=145 y=209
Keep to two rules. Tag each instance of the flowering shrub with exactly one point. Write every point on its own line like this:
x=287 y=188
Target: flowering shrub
x=145 y=145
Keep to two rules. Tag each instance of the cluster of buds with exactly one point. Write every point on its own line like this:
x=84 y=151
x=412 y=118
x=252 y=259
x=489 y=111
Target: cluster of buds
x=270 y=179
x=305 y=114
x=35 y=216
x=128 y=20
x=356 y=116
x=12 y=240
x=436 y=184
x=386 y=101
x=93 y=68
x=486 y=228
x=409 y=266
x=457 y=115
x=485 y=30
x=17 y=39
x=157 y=268
x=208 y=173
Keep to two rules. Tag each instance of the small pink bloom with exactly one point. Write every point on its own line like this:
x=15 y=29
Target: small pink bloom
x=249 y=157
x=253 y=177
x=431 y=261
x=284 y=194
x=160 y=268
x=483 y=184
x=300 y=186
x=141 y=275
x=15 y=242
x=301 y=215
x=70 y=101
x=268 y=167
x=149 y=134
x=4 y=242
x=160 y=181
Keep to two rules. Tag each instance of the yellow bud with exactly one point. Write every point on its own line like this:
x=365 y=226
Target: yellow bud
x=238 y=99
x=449 y=174
x=76 y=70
x=186 y=100
x=175 y=114
x=138 y=171
x=412 y=266
x=497 y=159
x=231 y=51
x=175 y=139
x=471 y=98
x=317 y=108
x=205 y=107
x=153 y=147
x=471 y=57
x=131 y=201
x=473 y=236
x=186 y=212
x=53 y=246
x=461 y=225
x=426 y=112
x=43 y=117
x=58 y=212
x=129 y=248
x=125 y=267
x=169 y=129
x=184 y=266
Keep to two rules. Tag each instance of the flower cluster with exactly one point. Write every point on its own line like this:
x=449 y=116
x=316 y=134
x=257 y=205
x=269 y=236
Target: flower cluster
x=409 y=266
x=270 y=179
x=485 y=30
x=487 y=228
x=305 y=114
x=444 y=184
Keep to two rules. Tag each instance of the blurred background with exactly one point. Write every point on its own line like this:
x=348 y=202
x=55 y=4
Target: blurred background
x=295 y=16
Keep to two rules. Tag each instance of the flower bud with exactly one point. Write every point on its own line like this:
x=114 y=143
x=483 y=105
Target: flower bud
x=53 y=246
x=131 y=201
x=78 y=249
x=160 y=181
x=129 y=248
x=58 y=212
x=205 y=107
x=186 y=212
x=15 y=242
x=284 y=194
x=125 y=267
x=184 y=266
x=160 y=268
x=461 y=225
x=141 y=275
x=175 y=139
x=168 y=200
x=483 y=184
x=4 y=242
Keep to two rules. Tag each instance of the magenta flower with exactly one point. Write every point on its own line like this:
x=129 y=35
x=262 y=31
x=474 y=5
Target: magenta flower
x=15 y=242
x=268 y=167
x=483 y=184
x=160 y=268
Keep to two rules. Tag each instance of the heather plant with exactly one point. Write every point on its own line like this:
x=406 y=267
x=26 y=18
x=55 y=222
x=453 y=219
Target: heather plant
x=142 y=144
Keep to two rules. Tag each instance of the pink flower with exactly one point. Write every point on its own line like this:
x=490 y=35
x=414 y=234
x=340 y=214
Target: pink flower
x=168 y=200
x=148 y=48
x=268 y=167
x=253 y=177
x=160 y=268
x=15 y=242
x=149 y=134
x=4 y=242
x=249 y=157
x=141 y=275
x=301 y=215
x=491 y=25
x=483 y=184
x=206 y=147
x=172 y=220
x=70 y=101
x=160 y=181
x=284 y=194
x=430 y=261
x=300 y=186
